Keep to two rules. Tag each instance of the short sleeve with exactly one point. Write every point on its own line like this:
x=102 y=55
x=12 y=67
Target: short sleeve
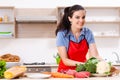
x=60 y=39
x=90 y=37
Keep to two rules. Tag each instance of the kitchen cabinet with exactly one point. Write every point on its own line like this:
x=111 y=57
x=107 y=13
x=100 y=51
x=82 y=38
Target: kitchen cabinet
x=103 y=21
x=7 y=22
x=32 y=23
x=36 y=30
x=40 y=23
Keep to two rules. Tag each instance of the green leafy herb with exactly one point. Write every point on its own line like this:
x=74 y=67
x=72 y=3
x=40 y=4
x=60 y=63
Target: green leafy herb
x=2 y=68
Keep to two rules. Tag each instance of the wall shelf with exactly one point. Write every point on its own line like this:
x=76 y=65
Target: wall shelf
x=43 y=19
x=7 y=13
x=7 y=22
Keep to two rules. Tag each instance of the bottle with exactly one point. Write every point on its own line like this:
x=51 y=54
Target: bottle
x=1 y=19
x=57 y=58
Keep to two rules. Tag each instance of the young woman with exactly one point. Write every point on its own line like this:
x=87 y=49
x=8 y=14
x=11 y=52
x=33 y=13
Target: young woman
x=74 y=41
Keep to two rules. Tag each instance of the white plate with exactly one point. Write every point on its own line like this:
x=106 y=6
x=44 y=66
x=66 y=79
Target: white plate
x=38 y=75
x=100 y=75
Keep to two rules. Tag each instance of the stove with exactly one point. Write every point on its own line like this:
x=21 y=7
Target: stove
x=37 y=67
x=35 y=63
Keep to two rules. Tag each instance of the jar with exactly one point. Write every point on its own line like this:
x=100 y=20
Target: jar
x=5 y=18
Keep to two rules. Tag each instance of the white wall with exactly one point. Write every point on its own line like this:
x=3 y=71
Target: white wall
x=37 y=49
x=55 y=3
x=30 y=50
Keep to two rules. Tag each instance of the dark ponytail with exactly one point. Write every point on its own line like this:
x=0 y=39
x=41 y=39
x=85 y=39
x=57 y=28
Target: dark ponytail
x=64 y=22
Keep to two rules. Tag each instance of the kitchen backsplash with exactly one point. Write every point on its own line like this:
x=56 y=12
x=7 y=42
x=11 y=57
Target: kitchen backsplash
x=30 y=50
x=43 y=49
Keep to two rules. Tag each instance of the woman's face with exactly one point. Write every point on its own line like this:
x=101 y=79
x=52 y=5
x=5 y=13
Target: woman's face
x=78 y=19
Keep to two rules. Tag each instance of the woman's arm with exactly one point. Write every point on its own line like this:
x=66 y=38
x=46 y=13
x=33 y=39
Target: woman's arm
x=93 y=52
x=63 y=55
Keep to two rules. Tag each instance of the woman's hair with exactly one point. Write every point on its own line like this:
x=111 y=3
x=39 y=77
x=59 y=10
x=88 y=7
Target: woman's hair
x=64 y=22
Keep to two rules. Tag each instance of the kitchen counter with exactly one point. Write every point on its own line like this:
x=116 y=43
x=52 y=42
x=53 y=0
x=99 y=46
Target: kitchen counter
x=114 y=77
x=91 y=78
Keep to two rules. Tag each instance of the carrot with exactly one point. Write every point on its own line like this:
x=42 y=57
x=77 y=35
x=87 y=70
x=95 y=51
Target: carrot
x=61 y=75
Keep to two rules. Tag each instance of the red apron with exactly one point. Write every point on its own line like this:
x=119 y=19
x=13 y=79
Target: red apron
x=77 y=52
